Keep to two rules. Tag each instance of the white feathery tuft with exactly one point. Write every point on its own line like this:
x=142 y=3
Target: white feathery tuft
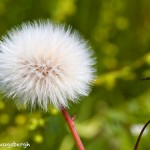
x=42 y=64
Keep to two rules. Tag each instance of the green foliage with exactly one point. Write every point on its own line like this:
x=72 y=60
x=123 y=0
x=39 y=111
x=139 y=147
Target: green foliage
x=119 y=32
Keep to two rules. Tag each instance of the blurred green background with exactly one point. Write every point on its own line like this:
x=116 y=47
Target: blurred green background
x=119 y=104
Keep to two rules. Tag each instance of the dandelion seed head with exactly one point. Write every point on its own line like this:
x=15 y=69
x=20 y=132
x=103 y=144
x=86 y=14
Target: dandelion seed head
x=42 y=64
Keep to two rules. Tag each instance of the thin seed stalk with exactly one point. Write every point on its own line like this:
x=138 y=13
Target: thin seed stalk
x=70 y=123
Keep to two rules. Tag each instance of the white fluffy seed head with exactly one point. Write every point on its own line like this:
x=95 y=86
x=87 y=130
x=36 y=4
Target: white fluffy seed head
x=42 y=63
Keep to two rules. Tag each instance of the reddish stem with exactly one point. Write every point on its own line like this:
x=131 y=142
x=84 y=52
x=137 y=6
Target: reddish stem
x=70 y=122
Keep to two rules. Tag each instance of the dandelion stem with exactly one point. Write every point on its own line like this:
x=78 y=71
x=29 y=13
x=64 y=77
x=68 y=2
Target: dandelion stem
x=72 y=128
